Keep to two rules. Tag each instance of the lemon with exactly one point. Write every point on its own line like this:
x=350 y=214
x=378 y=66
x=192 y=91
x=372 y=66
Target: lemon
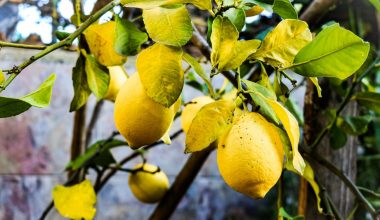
x=191 y=109
x=148 y=187
x=250 y=156
x=117 y=79
x=138 y=118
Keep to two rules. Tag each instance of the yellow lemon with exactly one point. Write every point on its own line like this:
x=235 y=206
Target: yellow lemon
x=191 y=109
x=250 y=156
x=148 y=186
x=138 y=118
x=117 y=79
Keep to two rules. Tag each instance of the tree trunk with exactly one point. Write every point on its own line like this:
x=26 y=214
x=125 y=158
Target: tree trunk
x=344 y=158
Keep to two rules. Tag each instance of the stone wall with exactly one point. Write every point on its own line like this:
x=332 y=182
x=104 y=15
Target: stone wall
x=34 y=149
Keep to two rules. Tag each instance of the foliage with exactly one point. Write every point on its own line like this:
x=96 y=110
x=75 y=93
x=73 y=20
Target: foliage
x=257 y=111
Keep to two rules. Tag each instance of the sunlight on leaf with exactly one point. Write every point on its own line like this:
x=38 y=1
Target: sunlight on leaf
x=282 y=44
x=212 y=121
x=100 y=39
x=98 y=77
x=170 y=26
x=164 y=63
x=227 y=52
x=292 y=129
x=76 y=201
x=335 y=52
x=314 y=80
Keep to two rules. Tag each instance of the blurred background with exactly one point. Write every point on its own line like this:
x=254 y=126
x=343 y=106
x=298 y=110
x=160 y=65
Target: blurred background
x=34 y=146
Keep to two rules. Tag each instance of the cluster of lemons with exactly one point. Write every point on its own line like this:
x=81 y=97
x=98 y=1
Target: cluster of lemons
x=249 y=155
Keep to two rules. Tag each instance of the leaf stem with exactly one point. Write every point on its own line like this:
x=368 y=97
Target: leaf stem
x=24 y=46
x=66 y=42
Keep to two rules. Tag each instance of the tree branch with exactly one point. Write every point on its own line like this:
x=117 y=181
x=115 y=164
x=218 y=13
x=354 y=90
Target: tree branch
x=24 y=46
x=316 y=10
x=94 y=118
x=135 y=154
x=77 y=141
x=183 y=181
x=16 y=70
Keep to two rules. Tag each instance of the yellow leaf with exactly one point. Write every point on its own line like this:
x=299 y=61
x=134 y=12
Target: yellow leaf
x=144 y=4
x=255 y=10
x=2 y=77
x=211 y=121
x=315 y=82
x=227 y=52
x=282 y=44
x=75 y=202
x=170 y=26
x=161 y=74
x=308 y=172
x=292 y=129
x=100 y=39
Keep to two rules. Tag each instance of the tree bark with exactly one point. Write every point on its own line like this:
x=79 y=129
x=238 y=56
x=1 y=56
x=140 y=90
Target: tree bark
x=344 y=158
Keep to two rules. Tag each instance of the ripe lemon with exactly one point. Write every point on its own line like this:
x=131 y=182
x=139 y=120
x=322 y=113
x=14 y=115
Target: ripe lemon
x=117 y=79
x=191 y=109
x=148 y=187
x=137 y=117
x=250 y=156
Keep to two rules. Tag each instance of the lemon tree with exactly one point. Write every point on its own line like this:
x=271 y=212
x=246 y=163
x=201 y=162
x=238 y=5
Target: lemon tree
x=249 y=120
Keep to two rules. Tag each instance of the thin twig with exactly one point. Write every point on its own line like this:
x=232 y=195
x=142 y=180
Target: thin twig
x=24 y=46
x=66 y=42
x=135 y=154
x=77 y=141
x=94 y=118
x=369 y=192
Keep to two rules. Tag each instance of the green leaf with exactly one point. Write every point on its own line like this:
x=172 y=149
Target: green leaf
x=39 y=98
x=201 y=4
x=2 y=77
x=81 y=89
x=144 y=4
x=335 y=52
x=284 y=214
x=370 y=100
x=338 y=138
x=199 y=70
x=98 y=77
x=285 y=9
x=259 y=94
x=267 y=93
x=376 y=4
x=236 y=16
x=211 y=121
x=354 y=125
x=61 y=35
x=128 y=38
x=227 y=52
x=160 y=71
x=97 y=154
x=281 y=45
x=314 y=80
x=10 y=107
x=170 y=26
x=295 y=110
